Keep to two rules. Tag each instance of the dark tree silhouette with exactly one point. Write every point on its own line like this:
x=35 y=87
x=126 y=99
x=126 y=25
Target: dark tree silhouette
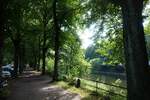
x=138 y=79
x=3 y=19
x=56 y=48
x=44 y=46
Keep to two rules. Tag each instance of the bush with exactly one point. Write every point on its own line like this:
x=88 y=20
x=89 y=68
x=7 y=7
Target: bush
x=50 y=65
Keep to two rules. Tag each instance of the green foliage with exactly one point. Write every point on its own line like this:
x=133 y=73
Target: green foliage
x=50 y=64
x=110 y=51
x=106 y=16
x=28 y=21
x=72 y=60
x=7 y=51
x=31 y=23
x=147 y=28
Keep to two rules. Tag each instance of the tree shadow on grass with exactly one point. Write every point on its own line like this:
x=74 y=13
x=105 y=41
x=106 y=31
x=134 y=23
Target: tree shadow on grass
x=92 y=97
x=96 y=96
x=56 y=93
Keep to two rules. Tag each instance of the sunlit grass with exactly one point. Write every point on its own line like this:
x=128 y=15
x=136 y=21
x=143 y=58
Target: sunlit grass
x=88 y=92
x=92 y=86
x=85 y=94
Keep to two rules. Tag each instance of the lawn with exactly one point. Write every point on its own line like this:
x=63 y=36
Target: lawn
x=87 y=93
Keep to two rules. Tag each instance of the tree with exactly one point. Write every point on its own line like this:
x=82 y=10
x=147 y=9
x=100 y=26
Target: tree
x=72 y=59
x=15 y=29
x=135 y=51
x=46 y=17
x=65 y=15
x=3 y=19
x=41 y=14
x=57 y=41
x=134 y=43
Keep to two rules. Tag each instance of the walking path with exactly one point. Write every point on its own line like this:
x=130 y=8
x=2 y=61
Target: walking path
x=32 y=86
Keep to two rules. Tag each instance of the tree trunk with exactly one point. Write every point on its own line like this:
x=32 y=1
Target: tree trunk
x=35 y=62
x=3 y=19
x=16 y=57
x=39 y=55
x=43 y=60
x=138 y=78
x=20 y=59
x=35 y=57
x=44 y=51
x=34 y=52
x=1 y=46
x=23 y=56
x=15 y=61
x=57 y=31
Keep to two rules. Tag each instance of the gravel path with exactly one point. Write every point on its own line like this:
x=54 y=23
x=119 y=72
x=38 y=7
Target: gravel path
x=32 y=86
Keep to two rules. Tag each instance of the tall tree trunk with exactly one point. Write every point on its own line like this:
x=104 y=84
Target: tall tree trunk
x=23 y=56
x=44 y=51
x=35 y=62
x=39 y=55
x=3 y=19
x=43 y=60
x=19 y=59
x=57 y=32
x=138 y=78
x=1 y=46
x=16 y=56
x=34 y=56
x=1 y=42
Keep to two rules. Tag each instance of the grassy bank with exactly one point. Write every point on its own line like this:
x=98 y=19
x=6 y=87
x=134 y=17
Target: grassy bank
x=87 y=94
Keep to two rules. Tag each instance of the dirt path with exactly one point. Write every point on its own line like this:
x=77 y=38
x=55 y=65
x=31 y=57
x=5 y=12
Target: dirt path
x=32 y=86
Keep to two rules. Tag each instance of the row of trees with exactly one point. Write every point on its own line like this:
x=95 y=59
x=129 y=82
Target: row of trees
x=37 y=27
x=36 y=30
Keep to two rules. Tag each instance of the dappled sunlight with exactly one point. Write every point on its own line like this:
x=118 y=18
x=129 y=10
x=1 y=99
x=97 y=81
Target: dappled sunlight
x=80 y=91
x=28 y=74
x=40 y=87
x=84 y=93
x=75 y=49
x=57 y=93
x=49 y=88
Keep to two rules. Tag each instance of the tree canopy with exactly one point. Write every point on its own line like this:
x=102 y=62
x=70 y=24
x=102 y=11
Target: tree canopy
x=44 y=34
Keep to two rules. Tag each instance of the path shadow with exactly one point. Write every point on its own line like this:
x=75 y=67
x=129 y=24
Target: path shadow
x=56 y=93
x=34 y=86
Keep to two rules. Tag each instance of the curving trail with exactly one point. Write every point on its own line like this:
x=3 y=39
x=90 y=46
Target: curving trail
x=32 y=86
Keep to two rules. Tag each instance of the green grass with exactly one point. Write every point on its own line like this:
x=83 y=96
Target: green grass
x=86 y=93
x=92 y=86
